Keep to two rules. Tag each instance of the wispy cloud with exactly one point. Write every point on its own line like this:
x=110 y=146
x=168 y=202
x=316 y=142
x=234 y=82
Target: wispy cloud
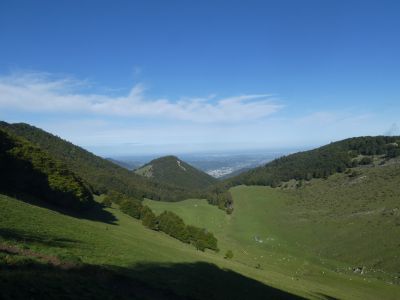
x=328 y=118
x=38 y=92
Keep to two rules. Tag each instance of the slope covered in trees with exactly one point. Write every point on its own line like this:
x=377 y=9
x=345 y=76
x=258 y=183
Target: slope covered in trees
x=172 y=170
x=25 y=168
x=100 y=173
x=320 y=162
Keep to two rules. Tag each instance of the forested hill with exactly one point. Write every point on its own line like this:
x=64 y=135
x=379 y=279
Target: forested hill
x=321 y=162
x=27 y=170
x=172 y=170
x=100 y=173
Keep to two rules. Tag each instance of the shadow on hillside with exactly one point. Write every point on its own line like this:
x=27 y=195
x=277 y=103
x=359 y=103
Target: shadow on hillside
x=325 y=297
x=143 y=281
x=207 y=281
x=20 y=236
x=95 y=212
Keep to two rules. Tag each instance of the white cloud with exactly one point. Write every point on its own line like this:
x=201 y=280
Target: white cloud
x=38 y=92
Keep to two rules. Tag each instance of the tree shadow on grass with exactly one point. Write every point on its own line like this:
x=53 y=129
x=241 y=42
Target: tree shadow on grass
x=25 y=237
x=95 y=212
x=143 y=281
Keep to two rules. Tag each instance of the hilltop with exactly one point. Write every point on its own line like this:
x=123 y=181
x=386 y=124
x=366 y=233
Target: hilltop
x=174 y=171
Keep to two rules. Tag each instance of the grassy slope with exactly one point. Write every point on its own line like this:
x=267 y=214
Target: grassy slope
x=151 y=257
x=314 y=234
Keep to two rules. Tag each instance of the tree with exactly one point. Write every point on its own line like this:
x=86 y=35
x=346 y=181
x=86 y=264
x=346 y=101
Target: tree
x=132 y=207
x=148 y=218
x=173 y=225
x=115 y=197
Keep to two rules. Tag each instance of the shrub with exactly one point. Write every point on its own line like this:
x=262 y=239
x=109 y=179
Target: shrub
x=365 y=160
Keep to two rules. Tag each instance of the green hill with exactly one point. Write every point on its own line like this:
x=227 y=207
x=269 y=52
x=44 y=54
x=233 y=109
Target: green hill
x=26 y=169
x=320 y=162
x=172 y=170
x=100 y=173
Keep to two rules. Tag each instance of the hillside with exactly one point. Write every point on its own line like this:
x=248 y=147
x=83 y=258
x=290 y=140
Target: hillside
x=128 y=261
x=100 y=173
x=325 y=238
x=172 y=170
x=63 y=257
x=320 y=162
x=26 y=169
x=345 y=227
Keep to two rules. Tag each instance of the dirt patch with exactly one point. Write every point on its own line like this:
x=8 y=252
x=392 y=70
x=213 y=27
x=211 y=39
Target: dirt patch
x=52 y=260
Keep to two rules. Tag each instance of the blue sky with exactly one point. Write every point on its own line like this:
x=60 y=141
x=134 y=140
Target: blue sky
x=134 y=77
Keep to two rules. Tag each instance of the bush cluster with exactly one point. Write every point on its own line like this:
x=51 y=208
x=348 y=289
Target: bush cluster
x=167 y=222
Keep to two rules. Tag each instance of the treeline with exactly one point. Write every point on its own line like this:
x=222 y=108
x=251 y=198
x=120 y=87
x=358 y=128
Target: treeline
x=220 y=196
x=380 y=145
x=101 y=174
x=25 y=168
x=318 y=163
x=167 y=222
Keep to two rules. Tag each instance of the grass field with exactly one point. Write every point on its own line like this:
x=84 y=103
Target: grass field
x=287 y=244
x=153 y=259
